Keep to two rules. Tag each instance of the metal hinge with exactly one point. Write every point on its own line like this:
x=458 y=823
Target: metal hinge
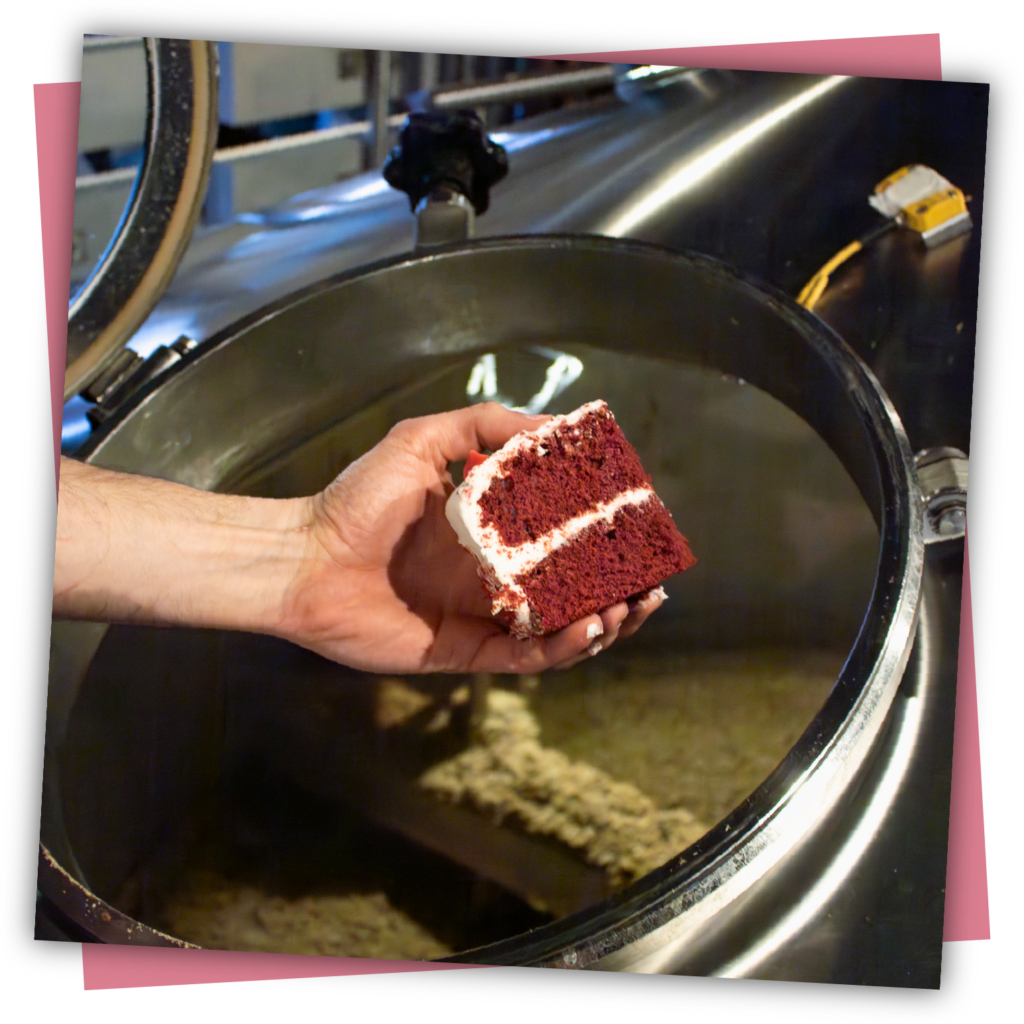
x=128 y=373
x=942 y=473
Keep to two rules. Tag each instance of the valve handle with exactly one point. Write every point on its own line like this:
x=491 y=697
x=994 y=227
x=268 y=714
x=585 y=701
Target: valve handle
x=445 y=150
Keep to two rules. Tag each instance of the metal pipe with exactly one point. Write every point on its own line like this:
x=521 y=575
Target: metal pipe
x=496 y=92
x=533 y=87
x=430 y=71
x=380 y=99
x=253 y=150
x=118 y=176
x=285 y=143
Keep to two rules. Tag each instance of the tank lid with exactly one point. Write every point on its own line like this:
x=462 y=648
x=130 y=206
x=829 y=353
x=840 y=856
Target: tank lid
x=137 y=266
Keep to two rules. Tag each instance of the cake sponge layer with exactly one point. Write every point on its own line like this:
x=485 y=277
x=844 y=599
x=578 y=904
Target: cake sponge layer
x=573 y=467
x=605 y=564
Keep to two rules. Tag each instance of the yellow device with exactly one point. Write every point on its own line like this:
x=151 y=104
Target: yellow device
x=915 y=197
x=924 y=201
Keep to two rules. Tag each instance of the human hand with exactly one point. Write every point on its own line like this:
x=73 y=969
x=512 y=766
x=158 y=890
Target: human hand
x=385 y=585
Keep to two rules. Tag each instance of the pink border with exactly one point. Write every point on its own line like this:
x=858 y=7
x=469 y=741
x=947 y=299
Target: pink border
x=141 y=966
x=966 y=885
x=966 y=872
x=57 y=148
x=915 y=56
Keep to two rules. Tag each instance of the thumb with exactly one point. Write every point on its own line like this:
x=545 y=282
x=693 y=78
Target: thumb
x=450 y=436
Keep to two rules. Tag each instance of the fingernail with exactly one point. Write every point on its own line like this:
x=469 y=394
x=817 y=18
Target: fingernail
x=655 y=596
x=595 y=629
x=594 y=648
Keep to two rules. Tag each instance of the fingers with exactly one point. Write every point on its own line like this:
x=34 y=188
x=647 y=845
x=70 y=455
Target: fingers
x=450 y=436
x=613 y=619
x=640 y=609
x=496 y=651
x=611 y=625
x=570 y=646
x=618 y=622
x=503 y=653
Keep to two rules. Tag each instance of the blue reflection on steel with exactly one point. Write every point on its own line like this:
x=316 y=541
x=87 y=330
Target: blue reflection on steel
x=75 y=427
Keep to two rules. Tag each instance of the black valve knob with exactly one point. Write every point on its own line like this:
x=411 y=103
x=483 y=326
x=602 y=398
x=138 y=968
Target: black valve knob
x=445 y=149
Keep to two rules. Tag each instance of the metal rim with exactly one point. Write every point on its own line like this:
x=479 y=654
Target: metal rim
x=84 y=917
x=681 y=897
x=137 y=266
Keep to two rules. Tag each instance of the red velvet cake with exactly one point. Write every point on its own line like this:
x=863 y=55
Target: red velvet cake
x=564 y=522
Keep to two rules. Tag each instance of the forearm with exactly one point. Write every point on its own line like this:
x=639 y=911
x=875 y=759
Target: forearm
x=133 y=549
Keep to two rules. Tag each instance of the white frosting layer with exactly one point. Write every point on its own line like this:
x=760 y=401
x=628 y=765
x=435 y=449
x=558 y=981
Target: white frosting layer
x=500 y=562
x=504 y=564
x=473 y=488
x=468 y=494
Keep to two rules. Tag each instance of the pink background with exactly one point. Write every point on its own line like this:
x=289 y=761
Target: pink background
x=916 y=56
x=873 y=57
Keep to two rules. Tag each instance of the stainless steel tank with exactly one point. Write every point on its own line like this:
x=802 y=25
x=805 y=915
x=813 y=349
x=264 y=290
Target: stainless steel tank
x=276 y=399
x=719 y=162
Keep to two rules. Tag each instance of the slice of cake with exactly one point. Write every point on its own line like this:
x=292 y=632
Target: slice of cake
x=564 y=523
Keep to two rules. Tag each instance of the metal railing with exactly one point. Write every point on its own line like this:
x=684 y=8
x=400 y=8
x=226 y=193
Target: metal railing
x=519 y=90
x=513 y=90
x=374 y=132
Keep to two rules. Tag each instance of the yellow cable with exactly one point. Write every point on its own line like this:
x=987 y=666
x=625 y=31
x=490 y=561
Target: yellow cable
x=807 y=290
x=815 y=287
x=817 y=292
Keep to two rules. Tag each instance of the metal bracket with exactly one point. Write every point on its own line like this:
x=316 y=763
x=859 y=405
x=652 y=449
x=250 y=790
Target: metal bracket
x=129 y=373
x=444 y=216
x=942 y=473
